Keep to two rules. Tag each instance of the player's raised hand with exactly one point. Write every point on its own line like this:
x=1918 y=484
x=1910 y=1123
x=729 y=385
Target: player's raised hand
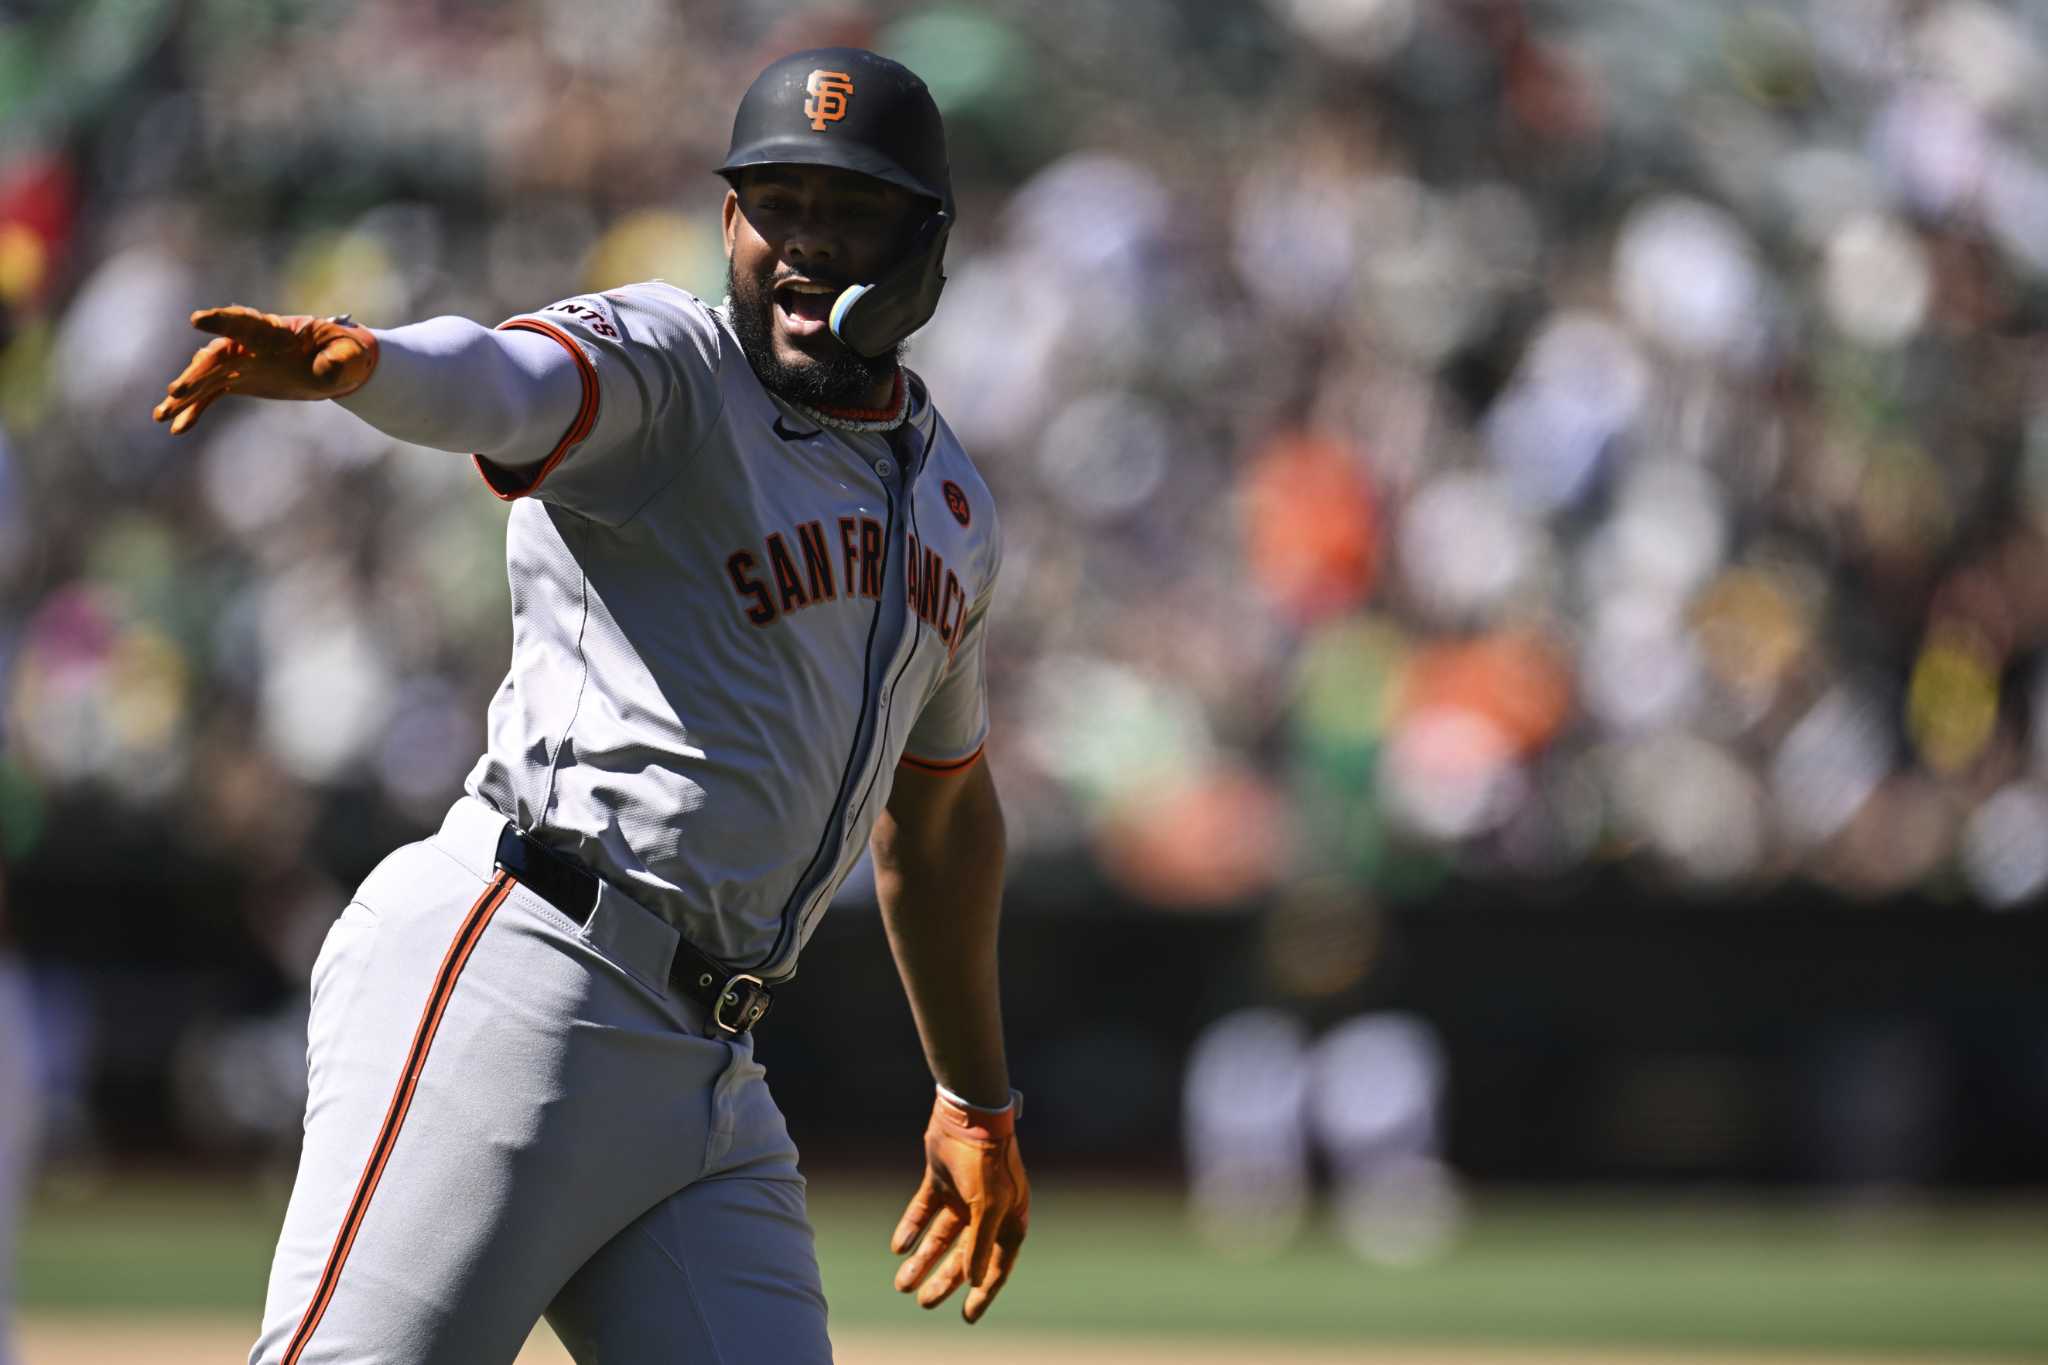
x=268 y=355
x=967 y=1220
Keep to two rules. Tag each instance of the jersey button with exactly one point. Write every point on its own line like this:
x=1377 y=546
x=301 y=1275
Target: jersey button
x=885 y=467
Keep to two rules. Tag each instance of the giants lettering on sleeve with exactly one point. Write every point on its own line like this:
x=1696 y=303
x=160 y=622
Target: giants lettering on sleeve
x=593 y=318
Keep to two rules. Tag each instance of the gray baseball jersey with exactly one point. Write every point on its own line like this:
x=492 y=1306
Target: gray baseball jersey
x=729 y=626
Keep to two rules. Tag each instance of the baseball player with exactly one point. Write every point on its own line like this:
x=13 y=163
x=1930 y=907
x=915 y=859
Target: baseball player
x=751 y=570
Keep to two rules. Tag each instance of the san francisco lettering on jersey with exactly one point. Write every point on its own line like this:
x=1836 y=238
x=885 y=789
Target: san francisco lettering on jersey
x=777 y=580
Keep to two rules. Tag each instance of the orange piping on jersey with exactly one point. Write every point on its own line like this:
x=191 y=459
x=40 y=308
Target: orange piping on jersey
x=946 y=769
x=586 y=411
x=401 y=1100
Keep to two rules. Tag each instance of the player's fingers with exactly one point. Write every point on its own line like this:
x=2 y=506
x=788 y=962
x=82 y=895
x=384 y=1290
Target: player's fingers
x=938 y=1239
x=986 y=1287
x=914 y=1216
x=227 y=371
x=980 y=1242
x=187 y=415
x=184 y=420
x=247 y=325
x=942 y=1282
x=207 y=388
x=205 y=361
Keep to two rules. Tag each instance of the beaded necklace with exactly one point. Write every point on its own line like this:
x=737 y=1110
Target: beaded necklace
x=861 y=419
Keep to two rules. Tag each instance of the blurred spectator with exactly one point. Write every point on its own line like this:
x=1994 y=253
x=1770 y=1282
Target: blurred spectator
x=1244 y=1133
x=1376 y=1099
x=1261 y=1099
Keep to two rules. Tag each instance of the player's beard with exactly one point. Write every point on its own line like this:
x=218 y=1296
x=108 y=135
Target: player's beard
x=839 y=378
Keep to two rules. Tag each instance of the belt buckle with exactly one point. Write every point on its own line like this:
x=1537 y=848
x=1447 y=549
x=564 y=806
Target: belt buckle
x=753 y=1007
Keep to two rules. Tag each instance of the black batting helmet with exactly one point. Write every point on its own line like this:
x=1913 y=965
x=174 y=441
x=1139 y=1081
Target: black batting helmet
x=844 y=107
x=858 y=111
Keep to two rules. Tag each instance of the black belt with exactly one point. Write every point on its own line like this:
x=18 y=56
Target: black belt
x=736 y=1000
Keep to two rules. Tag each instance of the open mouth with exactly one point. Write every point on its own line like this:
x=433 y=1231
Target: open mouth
x=802 y=307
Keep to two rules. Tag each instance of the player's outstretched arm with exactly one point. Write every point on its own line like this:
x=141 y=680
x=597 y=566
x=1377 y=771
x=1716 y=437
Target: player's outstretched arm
x=447 y=382
x=938 y=852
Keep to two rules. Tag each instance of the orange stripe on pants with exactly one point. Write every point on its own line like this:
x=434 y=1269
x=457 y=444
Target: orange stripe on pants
x=401 y=1100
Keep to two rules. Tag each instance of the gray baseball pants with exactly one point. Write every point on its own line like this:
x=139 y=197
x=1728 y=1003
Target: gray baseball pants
x=507 y=1116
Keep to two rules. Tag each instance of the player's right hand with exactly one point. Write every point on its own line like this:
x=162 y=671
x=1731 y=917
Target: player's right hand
x=967 y=1220
x=268 y=355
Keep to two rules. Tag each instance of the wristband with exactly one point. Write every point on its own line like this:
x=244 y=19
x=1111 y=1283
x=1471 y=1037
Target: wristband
x=1015 y=1108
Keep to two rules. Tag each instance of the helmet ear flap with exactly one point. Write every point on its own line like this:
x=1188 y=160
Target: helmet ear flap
x=873 y=319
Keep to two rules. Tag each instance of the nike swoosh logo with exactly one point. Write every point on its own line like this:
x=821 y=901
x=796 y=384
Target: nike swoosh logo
x=789 y=434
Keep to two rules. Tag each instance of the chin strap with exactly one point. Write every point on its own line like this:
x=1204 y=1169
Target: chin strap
x=873 y=319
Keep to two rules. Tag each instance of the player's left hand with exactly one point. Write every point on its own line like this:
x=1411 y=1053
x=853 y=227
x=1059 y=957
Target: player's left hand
x=971 y=1211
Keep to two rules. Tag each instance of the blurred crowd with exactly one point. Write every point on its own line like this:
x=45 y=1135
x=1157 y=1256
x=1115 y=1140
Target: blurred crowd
x=1482 y=439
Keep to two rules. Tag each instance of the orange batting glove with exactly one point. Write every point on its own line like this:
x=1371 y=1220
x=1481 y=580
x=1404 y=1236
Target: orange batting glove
x=265 y=355
x=974 y=1198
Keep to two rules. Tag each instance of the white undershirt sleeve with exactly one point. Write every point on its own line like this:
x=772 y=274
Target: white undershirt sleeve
x=451 y=384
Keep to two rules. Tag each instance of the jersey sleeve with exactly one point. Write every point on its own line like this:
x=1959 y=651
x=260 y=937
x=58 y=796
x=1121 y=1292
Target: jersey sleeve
x=953 y=726
x=648 y=358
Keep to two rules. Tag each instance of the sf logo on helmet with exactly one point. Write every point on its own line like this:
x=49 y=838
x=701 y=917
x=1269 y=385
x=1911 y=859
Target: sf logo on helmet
x=829 y=91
